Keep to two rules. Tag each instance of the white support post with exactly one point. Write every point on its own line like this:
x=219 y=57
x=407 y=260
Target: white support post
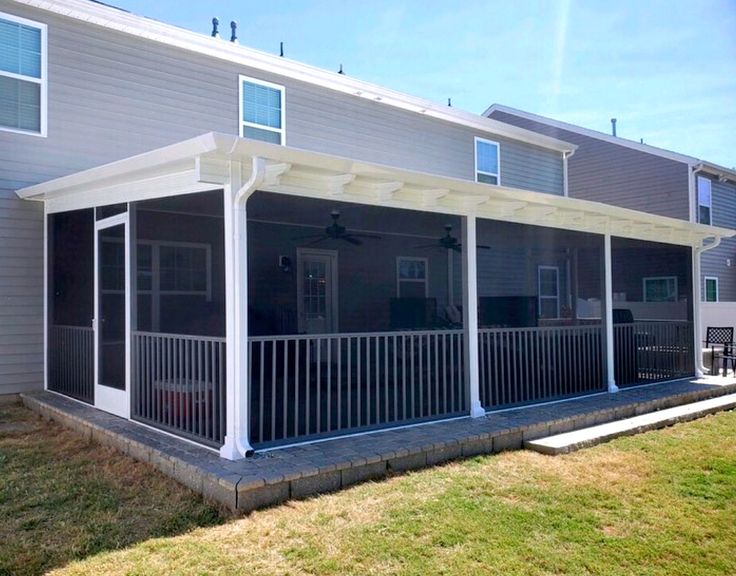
x=608 y=316
x=237 y=443
x=697 y=336
x=470 y=314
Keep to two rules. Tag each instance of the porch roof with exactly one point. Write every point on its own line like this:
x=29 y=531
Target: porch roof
x=216 y=160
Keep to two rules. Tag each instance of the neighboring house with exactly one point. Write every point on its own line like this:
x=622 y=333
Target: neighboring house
x=614 y=170
x=247 y=251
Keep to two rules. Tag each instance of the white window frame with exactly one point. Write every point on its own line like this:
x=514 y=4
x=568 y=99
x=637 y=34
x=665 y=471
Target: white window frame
x=399 y=280
x=156 y=266
x=43 y=81
x=541 y=297
x=242 y=123
x=652 y=278
x=705 y=289
x=709 y=205
x=498 y=160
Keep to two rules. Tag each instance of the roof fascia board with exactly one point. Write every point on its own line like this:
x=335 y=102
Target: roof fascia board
x=128 y=23
x=675 y=156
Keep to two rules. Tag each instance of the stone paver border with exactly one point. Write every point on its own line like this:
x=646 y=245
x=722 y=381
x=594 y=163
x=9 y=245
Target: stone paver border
x=272 y=477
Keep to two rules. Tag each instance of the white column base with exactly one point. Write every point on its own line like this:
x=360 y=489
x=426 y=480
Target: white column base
x=612 y=388
x=476 y=410
x=699 y=372
x=235 y=450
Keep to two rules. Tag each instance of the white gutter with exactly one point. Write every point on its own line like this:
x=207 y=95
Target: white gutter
x=237 y=442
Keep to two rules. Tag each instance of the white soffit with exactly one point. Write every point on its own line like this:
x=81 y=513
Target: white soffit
x=121 y=21
x=206 y=162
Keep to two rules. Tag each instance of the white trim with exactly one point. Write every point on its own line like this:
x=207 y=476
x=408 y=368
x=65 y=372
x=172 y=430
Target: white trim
x=705 y=289
x=137 y=26
x=470 y=316
x=42 y=81
x=399 y=280
x=46 y=319
x=242 y=123
x=609 y=354
x=497 y=175
x=301 y=252
x=106 y=398
x=650 y=278
x=541 y=297
x=700 y=204
x=646 y=148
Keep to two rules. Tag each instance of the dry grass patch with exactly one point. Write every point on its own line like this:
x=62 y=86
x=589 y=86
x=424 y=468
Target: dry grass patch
x=62 y=498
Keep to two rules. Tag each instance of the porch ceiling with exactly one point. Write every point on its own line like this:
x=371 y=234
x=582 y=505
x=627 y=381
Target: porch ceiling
x=208 y=161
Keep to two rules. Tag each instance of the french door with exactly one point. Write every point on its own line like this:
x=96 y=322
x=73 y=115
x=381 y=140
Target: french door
x=112 y=315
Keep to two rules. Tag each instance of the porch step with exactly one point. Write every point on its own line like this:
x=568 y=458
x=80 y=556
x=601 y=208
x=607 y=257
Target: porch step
x=586 y=437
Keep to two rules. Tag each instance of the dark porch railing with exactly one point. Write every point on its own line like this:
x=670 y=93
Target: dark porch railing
x=319 y=385
x=178 y=385
x=71 y=361
x=527 y=365
x=647 y=352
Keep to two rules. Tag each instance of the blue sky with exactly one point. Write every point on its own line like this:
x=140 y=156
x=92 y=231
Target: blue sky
x=665 y=69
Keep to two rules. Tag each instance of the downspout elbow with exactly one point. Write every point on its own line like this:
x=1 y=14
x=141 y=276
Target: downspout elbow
x=257 y=175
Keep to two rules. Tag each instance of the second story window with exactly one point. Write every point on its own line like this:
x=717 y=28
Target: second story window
x=22 y=75
x=705 y=200
x=487 y=163
x=261 y=110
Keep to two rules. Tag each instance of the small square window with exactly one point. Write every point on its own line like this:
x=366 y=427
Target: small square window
x=663 y=289
x=261 y=110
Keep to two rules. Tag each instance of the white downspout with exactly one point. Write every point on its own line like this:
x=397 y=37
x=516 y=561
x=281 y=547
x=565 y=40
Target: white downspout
x=693 y=169
x=565 y=184
x=697 y=288
x=237 y=442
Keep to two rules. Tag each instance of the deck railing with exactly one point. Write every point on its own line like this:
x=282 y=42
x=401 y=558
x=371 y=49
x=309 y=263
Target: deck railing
x=178 y=384
x=310 y=386
x=527 y=365
x=71 y=361
x=653 y=351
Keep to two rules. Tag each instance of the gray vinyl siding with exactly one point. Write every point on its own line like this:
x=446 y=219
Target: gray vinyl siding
x=716 y=262
x=21 y=294
x=111 y=96
x=605 y=172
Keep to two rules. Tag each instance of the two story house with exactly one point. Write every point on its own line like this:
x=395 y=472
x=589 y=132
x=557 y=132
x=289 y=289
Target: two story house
x=249 y=252
x=610 y=169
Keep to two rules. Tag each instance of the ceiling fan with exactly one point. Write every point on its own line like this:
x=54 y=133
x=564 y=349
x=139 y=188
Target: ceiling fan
x=449 y=242
x=336 y=231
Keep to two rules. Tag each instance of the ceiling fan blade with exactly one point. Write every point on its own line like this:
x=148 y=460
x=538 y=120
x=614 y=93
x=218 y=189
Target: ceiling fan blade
x=483 y=247
x=372 y=236
x=308 y=236
x=352 y=240
x=456 y=247
x=319 y=240
x=433 y=245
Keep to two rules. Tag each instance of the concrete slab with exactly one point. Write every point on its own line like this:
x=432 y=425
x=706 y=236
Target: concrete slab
x=586 y=437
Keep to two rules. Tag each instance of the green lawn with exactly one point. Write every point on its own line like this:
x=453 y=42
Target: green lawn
x=658 y=503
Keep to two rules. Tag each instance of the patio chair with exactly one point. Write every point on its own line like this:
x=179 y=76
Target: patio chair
x=718 y=336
